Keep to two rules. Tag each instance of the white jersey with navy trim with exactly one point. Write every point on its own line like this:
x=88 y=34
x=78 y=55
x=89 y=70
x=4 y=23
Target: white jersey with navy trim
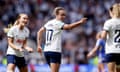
x=113 y=36
x=18 y=37
x=53 y=35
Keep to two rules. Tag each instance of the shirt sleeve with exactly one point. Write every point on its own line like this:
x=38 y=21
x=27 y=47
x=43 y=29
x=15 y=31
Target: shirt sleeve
x=60 y=25
x=10 y=33
x=46 y=25
x=106 y=26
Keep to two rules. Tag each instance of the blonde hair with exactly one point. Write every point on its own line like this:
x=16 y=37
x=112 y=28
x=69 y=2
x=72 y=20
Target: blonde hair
x=116 y=10
x=11 y=25
x=8 y=28
x=57 y=9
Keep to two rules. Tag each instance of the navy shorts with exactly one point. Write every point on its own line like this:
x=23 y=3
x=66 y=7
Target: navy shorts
x=113 y=58
x=18 y=61
x=52 y=57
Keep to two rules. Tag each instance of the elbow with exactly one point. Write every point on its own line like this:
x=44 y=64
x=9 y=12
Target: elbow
x=38 y=33
x=68 y=28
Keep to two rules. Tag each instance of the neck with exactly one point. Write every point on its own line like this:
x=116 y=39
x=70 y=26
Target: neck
x=58 y=19
x=20 y=27
x=115 y=16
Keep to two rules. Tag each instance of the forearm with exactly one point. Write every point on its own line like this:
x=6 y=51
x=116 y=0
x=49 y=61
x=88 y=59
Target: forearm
x=39 y=38
x=13 y=46
x=73 y=25
x=94 y=50
x=25 y=46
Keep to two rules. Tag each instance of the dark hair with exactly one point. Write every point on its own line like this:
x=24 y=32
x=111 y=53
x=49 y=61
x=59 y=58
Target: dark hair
x=57 y=9
x=111 y=8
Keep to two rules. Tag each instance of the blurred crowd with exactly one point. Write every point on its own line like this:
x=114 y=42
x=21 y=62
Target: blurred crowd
x=76 y=43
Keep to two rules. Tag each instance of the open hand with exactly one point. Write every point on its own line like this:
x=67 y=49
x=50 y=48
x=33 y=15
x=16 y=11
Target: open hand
x=39 y=49
x=90 y=55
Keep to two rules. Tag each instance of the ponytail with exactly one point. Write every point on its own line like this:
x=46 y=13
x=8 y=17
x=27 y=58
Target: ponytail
x=8 y=28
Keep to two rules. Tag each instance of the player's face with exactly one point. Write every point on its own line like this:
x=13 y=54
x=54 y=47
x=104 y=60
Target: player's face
x=23 y=19
x=62 y=14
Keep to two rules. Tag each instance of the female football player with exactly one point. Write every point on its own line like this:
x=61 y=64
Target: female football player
x=17 y=39
x=112 y=34
x=53 y=28
x=100 y=48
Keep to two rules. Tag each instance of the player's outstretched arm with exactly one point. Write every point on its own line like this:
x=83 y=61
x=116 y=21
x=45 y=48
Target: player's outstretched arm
x=75 y=24
x=39 y=39
x=93 y=51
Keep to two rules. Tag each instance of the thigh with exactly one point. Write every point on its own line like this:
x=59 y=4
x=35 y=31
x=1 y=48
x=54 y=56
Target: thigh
x=109 y=58
x=111 y=66
x=55 y=60
x=47 y=57
x=11 y=59
x=111 y=62
x=117 y=59
x=23 y=69
x=10 y=63
x=55 y=57
x=10 y=67
x=54 y=67
x=20 y=62
x=118 y=62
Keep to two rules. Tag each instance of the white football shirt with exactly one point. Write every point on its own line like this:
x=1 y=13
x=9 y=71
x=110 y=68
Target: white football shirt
x=53 y=35
x=113 y=36
x=18 y=37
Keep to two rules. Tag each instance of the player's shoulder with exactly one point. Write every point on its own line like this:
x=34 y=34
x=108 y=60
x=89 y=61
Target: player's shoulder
x=108 y=21
x=54 y=21
x=13 y=28
x=51 y=21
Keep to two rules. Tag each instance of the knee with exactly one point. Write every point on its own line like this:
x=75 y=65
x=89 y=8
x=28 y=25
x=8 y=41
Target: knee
x=111 y=71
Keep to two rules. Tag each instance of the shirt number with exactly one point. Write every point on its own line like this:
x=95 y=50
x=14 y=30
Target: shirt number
x=49 y=34
x=117 y=36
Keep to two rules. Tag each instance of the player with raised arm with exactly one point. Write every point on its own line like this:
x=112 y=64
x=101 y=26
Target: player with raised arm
x=111 y=33
x=17 y=39
x=53 y=29
x=100 y=48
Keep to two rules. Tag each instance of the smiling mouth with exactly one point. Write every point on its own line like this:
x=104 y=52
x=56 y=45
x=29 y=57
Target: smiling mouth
x=24 y=22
